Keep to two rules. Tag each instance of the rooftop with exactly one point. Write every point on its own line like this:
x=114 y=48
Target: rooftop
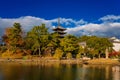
x=114 y=40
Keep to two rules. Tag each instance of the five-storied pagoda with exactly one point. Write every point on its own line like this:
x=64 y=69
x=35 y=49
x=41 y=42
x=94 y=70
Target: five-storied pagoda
x=59 y=29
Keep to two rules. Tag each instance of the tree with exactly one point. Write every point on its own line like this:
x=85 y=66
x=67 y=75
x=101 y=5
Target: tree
x=98 y=44
x=39 y=36
x=54 y=40
x=58 y=53
x=13 y=37
x=54 y=43
x=83 y=38
x=68 y=55
x=69 y=44
x=82 y=51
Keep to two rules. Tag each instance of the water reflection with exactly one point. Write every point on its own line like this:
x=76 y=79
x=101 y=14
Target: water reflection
x=93 y=72
x=58 y=72
x=116 y=72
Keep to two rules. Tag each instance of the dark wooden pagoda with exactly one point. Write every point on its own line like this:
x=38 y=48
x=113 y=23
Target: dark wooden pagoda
x=60 y=30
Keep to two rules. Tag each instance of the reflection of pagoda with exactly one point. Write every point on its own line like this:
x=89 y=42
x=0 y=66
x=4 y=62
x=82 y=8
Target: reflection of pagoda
x=60 y=30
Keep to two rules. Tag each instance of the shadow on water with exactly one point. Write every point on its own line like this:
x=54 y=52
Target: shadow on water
x=58 y=72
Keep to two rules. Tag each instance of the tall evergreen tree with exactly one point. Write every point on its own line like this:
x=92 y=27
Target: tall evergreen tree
x=13 y=37
x=39 y=36
x=69 y=44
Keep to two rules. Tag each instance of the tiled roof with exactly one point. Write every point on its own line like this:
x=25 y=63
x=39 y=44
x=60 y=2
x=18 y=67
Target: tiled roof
x=114 y=40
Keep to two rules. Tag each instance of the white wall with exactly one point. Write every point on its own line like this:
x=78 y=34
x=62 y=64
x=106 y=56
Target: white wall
x=116 y=46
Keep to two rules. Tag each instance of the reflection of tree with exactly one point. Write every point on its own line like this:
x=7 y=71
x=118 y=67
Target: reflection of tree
x=107 y=68
x=12 y=72
x=116 y=72
x=58 y=72
x=84 y=71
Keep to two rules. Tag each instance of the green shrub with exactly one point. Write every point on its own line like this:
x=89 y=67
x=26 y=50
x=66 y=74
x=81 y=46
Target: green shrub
x=7 y=54
x=78 y=56
x=69 y=55
x=58 y=53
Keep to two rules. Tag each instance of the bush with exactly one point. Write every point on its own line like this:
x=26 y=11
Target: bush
x=17 y=56
x=27 y=57
x=114 y=54
x=78 y=56
x=69 y=55
x=10 y=54
x=58 y=53
x=7 y=54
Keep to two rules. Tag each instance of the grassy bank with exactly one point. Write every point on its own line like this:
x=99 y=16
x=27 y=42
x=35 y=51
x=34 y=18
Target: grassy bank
x=41 y=61
x=104 y=61
x=65 y=61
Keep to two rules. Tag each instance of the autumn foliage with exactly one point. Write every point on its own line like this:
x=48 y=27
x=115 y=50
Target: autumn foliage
x=114 y=54
x=39 y=42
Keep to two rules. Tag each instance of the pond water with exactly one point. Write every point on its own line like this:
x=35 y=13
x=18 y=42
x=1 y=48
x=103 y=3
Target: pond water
x=59 y=72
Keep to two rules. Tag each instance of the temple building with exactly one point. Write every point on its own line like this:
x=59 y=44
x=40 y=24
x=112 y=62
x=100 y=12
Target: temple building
x=60 y=30
x=116 y=43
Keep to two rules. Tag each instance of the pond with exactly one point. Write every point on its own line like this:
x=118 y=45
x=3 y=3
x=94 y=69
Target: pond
x=58 y=72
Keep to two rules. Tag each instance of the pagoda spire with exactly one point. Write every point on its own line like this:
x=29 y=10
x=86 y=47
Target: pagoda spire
x=59 y=21
x=59 y=29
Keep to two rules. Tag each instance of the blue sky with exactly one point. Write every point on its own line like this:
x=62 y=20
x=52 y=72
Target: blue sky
x=80 y=17
x=49 y=9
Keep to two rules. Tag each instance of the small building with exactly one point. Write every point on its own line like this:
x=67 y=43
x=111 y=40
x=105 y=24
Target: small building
x=116 y=43
x=83 y=44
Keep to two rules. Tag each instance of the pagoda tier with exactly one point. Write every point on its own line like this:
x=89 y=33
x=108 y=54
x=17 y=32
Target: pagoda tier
x=60 y=30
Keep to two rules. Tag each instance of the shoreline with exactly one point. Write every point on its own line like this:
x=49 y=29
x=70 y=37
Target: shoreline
x=39 y=61
x=66 y=61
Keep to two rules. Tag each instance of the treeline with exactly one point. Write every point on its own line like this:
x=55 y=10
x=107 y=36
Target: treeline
x=38 y=41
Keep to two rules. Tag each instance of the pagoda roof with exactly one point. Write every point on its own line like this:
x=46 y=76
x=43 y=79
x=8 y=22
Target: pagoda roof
x=59 y=28
x=114 y=40
x=61 y=32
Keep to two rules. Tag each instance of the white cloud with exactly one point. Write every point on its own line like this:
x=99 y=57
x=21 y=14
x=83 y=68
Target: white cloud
x=76 y=27
x=28 y=22
x=109 y=27
x=110 y=18
x=84 y=29
x=103 y=29
x=69 y=21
